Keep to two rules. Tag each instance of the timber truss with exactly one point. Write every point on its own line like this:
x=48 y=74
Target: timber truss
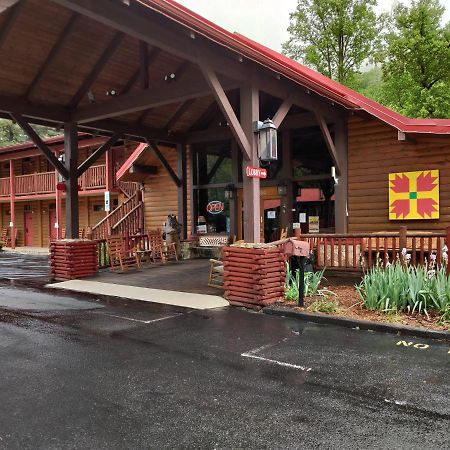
x=124 y=70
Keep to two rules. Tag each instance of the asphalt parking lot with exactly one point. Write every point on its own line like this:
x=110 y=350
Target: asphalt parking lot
x=80 y=373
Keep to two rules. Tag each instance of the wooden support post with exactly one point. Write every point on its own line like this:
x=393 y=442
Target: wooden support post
x=57 y=208
x=341 y=189
x=402 y=243
x=235 y=180
x=12 y=223
x=447 y=243
x=182 y=189
x=109 y=168
x=71 y=154
x=252 y=196
x=286 y=215
x=194 y=212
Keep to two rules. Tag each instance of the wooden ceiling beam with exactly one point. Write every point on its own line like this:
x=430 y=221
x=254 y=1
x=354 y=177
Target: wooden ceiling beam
x=140 y=26
x=30 y=110
x=205 y=120
x=165 y=163
x=13 y=9
x=135 y=77
x=96 y=70
x=282 y=111
x=133 y=131
x=59 y=44
x=143 y=64
x=143 y=100
x=26 y=127
x=329 y=143
x=98 y=153
x=226 y=108
x=178 y=113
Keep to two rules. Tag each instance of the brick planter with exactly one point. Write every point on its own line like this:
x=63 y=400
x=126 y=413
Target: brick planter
x=73 y=258
x=254 y=276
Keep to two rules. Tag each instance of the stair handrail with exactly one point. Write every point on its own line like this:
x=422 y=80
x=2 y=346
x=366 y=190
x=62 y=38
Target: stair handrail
x=122 y=205
x=139 y=205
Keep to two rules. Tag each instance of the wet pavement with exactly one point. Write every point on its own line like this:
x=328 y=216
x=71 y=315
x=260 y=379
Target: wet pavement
x=17 y=266
x=80 y=373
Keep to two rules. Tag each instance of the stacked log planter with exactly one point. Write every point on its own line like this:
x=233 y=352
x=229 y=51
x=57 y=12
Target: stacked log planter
x=73 y=258
x=254 y=276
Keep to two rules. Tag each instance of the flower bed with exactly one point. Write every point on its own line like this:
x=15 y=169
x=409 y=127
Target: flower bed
x=398 y=294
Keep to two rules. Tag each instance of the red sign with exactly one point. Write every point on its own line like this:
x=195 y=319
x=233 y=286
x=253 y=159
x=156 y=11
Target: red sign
x=215 y=207
x=255 y=172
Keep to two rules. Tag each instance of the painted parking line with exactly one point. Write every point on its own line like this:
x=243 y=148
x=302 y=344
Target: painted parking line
x=417 y=345
x=253 y=355
x=138 y=320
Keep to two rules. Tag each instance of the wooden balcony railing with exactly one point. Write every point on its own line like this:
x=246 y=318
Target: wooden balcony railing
x=44 y=183
x=362 y=251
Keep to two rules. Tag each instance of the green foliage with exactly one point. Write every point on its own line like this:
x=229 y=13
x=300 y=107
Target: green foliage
x=325 y=306
x=405 y=288
x=334 y=36
x=11 y=133
x=369 y=83
x=416 y=63
x=312 y=284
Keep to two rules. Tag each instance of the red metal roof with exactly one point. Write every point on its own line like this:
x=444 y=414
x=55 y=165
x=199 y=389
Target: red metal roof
x=27 y=145
x=295 y=71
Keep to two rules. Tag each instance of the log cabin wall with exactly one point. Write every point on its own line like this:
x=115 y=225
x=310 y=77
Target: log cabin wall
x=374 y=151
x=161 y=193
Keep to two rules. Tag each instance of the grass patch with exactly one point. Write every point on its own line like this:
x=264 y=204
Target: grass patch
x=325 y=306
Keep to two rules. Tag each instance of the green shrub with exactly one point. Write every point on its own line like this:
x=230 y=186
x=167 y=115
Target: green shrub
x=324 y=306
x=312 y=284
x=405 y=288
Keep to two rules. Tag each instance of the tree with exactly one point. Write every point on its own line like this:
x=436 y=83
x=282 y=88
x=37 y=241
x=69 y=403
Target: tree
x=416 y=69
x=334 y=36
x=11 y=133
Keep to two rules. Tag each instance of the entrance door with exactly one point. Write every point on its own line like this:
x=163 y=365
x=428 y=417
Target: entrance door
x=52 y=222
x=270 y=214
x=28 y=235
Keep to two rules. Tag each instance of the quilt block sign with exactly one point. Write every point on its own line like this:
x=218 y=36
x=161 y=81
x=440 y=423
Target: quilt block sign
x=414 y=195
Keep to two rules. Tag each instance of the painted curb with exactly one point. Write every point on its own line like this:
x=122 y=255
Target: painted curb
x=355 y=323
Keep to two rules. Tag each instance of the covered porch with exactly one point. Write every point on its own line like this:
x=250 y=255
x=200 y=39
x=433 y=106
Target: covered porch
x=153 y=72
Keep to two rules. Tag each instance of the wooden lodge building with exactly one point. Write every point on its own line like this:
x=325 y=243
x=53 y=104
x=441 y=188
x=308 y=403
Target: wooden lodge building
x=156 y=95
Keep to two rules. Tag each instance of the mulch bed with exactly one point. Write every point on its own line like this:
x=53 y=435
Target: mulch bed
x=350 y=306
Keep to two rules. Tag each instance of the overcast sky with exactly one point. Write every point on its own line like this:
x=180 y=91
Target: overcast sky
x=265 y=21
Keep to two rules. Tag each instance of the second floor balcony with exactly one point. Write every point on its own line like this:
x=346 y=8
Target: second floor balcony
x=45 y=182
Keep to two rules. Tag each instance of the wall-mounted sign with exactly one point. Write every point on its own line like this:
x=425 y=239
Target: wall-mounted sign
x=313 y=222
x=414 y=195
x=271 y=214
x=296 y=226
x=302 y=217
x=215 y=207
x=255 y=172
x=107 y=201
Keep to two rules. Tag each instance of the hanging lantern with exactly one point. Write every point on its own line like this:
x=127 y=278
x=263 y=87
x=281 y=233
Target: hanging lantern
x=267 y=140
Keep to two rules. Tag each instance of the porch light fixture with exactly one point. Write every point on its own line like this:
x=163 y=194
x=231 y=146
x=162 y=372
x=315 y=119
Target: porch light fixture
x=333 y=175
x=267 y=140
x=282 y=188
x=170 y=77
x=229 y=192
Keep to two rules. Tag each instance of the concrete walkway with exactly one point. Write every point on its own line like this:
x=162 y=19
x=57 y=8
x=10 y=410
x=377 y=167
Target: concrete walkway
x=28 y=250
x=175 y=298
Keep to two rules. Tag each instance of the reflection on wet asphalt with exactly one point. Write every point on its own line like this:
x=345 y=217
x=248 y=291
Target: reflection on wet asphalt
x=80 y=373
x=16 y=266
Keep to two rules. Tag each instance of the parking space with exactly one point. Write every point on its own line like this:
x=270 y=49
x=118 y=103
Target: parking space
x=144 y=373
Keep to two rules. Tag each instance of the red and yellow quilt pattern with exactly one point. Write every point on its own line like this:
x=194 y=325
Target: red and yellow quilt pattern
x=414 y=195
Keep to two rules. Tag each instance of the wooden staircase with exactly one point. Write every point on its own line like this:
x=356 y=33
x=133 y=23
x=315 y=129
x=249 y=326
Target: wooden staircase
x=126 y=219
